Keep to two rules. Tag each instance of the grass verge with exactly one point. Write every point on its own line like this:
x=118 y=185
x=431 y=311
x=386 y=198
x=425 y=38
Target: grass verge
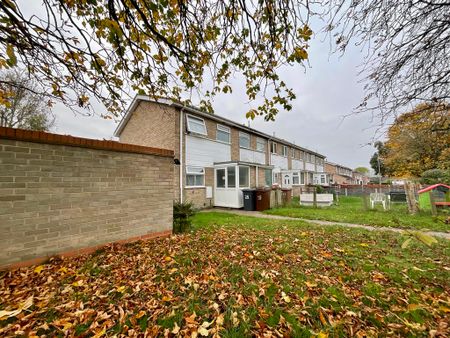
x=237 y=276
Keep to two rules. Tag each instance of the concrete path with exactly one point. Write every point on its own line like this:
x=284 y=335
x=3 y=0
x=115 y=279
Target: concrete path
x=320 y=222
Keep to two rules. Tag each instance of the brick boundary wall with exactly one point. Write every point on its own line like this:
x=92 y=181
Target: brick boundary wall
x=57 y=139
x=64 y=195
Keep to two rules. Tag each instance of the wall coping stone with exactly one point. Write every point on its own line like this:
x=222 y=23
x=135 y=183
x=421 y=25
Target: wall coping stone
x=67 y=140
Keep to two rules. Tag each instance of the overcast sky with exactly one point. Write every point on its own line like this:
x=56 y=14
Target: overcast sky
x=326 y=91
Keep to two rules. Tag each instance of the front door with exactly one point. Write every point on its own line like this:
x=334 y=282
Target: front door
x=287 y=180
x=225 y=187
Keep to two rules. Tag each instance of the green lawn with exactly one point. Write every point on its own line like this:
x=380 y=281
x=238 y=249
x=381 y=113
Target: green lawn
x=238 y=277
x=351 y=210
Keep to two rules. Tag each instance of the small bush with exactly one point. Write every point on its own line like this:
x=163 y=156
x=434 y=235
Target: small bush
x=434 y=176
x=182 y=213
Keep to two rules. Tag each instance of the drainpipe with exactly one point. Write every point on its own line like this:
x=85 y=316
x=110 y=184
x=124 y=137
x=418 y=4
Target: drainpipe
x=181 y=154
x=257 y=177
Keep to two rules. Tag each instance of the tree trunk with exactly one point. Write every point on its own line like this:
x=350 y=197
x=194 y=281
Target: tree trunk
x=410 y=198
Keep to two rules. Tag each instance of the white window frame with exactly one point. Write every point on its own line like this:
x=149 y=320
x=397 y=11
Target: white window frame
x=196 y=173
x=260 y=141
x=302 y=175
x=285 y=151
x=239 y=175
x=189 y=117
x=273 y=147
x=242 y=134
x=292 y=152
x=296 y=174
x=224 y=129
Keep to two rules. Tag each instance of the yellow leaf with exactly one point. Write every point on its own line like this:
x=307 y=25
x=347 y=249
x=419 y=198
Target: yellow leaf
x=23 y=306
x=140 y=314
x=322 y=335
x=285 y=297
x=39 y=269
x=121 y=289
x=322 y=318
x=175 y=329
x=100 y=333
x=412 y=307
x=203 y=331
x=363 y=244
x=78 y=283
x=166 y=299
x=311 y=284
x=444 y=309
x=220 y=319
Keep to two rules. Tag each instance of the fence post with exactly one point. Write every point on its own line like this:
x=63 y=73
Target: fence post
x=346 y=192
x=365 y=202
x=315 y=197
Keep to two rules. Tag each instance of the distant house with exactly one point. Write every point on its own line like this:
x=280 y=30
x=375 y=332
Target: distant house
x=360 y=178
x=218 y=157
x=339 y=174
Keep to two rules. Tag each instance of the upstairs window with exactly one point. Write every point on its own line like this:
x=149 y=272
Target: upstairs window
x=302 y=155
x=260 y=144
x=195 y=177
x=292 y=152
x=313 y=159
x=223 y=134
x=244 y=140
x=196 y=125
x=273 y=147
x=285 y=150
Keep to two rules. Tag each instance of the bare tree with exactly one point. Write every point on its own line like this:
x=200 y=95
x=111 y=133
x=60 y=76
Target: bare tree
x=23 y=107
x=408 y=46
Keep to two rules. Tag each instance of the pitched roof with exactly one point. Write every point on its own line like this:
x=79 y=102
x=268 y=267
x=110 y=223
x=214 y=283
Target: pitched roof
x=434 y=186
x=168 y=102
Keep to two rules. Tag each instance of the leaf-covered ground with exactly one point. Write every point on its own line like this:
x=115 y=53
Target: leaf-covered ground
x=235 y=277
x=351 y=210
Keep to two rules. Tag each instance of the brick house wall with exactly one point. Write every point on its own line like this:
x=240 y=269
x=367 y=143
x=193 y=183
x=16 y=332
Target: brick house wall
x=60 y=193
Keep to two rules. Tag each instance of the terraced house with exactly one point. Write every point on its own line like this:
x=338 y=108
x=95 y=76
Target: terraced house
x=215 y=157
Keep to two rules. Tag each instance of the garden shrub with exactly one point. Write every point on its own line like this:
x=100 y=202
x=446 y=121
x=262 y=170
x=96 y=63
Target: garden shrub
x=182 y=213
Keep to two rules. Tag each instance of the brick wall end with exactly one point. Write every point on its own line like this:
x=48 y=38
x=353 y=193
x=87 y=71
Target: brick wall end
x=67 y=140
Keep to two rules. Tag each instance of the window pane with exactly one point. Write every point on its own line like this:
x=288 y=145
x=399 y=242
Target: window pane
x=273 y=148
x=196 y=125
x=194 y=170
x=223 y=136
x=244 y=173
x=302 y=178
x=295 y=178
x=231 y=172
x=190 y=180
x=244 y=140
x=220 y=178
x=260 y=144
x=199 y=180
x=268 y=177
